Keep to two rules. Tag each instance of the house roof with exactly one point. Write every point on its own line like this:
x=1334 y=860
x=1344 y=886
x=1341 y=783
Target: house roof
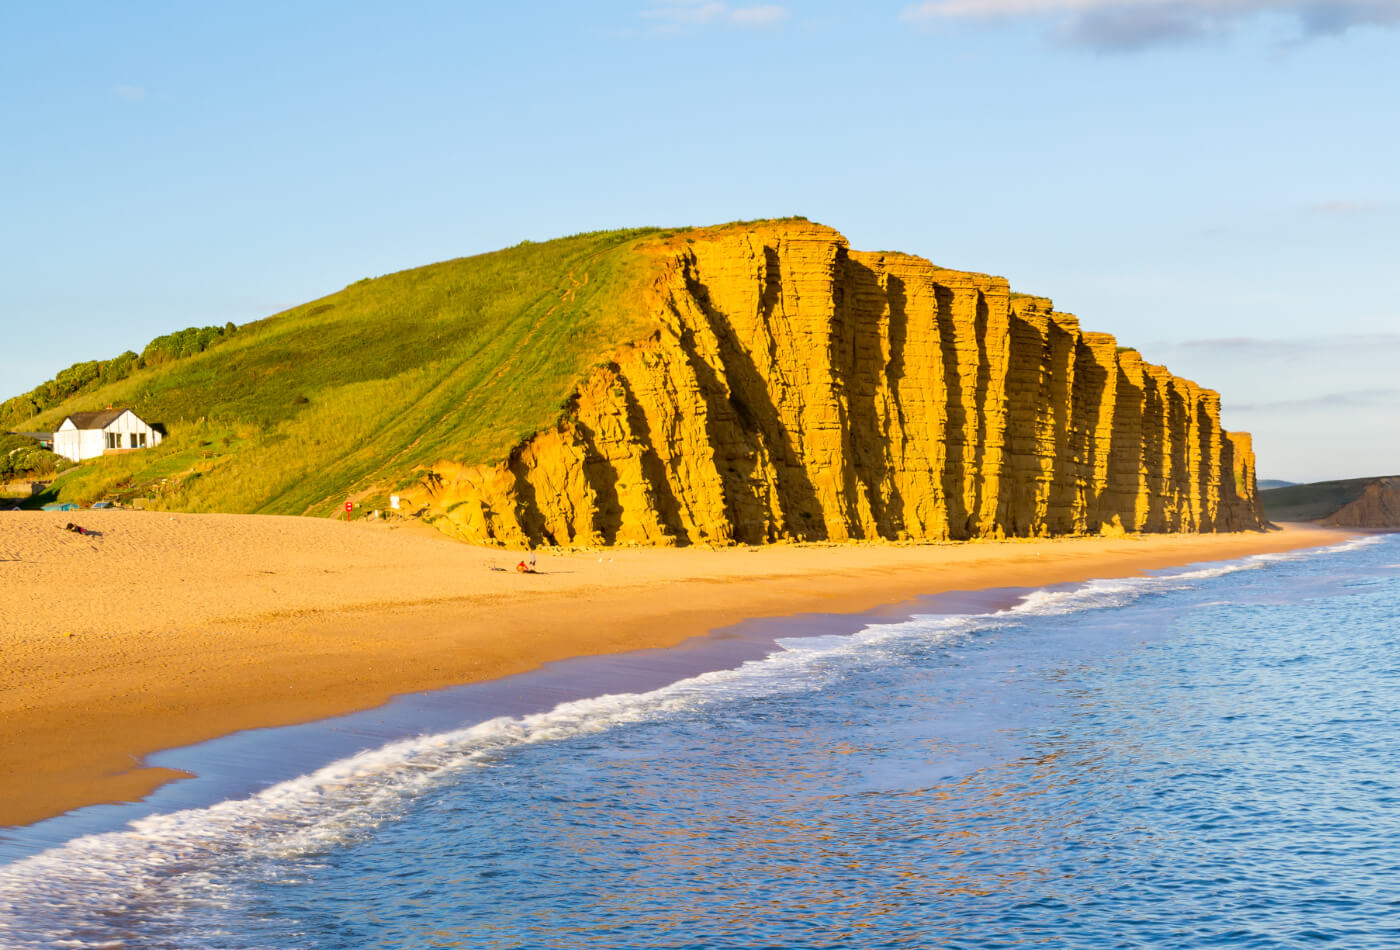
x=96 y=420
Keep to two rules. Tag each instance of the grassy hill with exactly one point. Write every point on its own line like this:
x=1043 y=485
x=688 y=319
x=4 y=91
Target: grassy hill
x=347 y=394
x=1313 y=501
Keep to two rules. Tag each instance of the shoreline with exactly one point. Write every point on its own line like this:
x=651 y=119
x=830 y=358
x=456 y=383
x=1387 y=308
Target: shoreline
x=238 y=766
x=167 y=631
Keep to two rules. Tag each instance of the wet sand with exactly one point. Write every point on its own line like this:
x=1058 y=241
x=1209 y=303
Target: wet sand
x=167 y=630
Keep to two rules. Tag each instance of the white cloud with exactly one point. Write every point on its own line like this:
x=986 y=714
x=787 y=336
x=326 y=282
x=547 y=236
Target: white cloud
x=130 y=93
x=1356 y=343
x=686 y=13
x=681 y=14
x=1379 y=398
x=759 y=16
x=1345 y=207
x=1134 y=24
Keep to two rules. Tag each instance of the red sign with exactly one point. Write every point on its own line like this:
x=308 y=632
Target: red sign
x=349 y=506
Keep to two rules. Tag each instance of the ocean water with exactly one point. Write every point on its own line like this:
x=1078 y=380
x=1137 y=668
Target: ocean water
x=1209 y=757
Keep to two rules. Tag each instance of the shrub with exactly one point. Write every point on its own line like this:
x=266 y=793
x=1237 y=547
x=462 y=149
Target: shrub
x=22 y=457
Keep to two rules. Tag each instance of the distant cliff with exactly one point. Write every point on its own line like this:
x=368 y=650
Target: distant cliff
x=1378 y=507
x=1350 y=503
x=794 y=389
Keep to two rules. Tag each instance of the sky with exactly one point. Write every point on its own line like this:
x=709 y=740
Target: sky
x=1212 y=181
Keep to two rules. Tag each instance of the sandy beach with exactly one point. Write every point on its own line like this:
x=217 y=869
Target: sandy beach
x=164 y=630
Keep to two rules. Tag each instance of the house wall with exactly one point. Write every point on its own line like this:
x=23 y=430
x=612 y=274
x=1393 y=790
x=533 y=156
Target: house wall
x=127 y=425
x=78 y=444
x=65 y=441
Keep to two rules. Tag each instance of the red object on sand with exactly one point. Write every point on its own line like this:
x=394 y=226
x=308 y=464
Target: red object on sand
x=349 y=507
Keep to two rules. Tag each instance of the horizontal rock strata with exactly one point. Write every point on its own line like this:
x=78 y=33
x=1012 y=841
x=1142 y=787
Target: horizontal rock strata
x=795 y=389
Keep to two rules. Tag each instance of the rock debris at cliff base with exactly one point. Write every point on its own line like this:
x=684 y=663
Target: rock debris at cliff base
x=795 y=389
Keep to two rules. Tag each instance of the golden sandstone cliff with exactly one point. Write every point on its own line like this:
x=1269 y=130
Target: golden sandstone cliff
x=795 y=389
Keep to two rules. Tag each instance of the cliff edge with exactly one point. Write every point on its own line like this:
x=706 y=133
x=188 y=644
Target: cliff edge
x=791 y=388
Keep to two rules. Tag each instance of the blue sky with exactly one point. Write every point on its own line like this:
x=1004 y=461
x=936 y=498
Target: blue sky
x=1213 y=181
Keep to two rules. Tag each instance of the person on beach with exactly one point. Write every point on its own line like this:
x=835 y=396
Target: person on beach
x=523 y=568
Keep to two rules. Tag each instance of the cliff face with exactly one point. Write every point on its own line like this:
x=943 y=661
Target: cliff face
x=1378 y=507
x=796 y=389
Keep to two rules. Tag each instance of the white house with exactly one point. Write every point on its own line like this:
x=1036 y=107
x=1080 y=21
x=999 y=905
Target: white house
x=85 y=435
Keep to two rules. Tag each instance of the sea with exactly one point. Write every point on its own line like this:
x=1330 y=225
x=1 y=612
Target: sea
x=1208 y=756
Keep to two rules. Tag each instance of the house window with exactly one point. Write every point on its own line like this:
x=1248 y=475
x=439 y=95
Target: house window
x=138 y=440
x=114 y=440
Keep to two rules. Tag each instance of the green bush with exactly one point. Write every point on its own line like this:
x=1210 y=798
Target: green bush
x=184 y=343
x=22 y=457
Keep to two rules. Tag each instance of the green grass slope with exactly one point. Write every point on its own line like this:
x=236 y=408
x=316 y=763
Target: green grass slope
x=1313 y=501
x=348 y=394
